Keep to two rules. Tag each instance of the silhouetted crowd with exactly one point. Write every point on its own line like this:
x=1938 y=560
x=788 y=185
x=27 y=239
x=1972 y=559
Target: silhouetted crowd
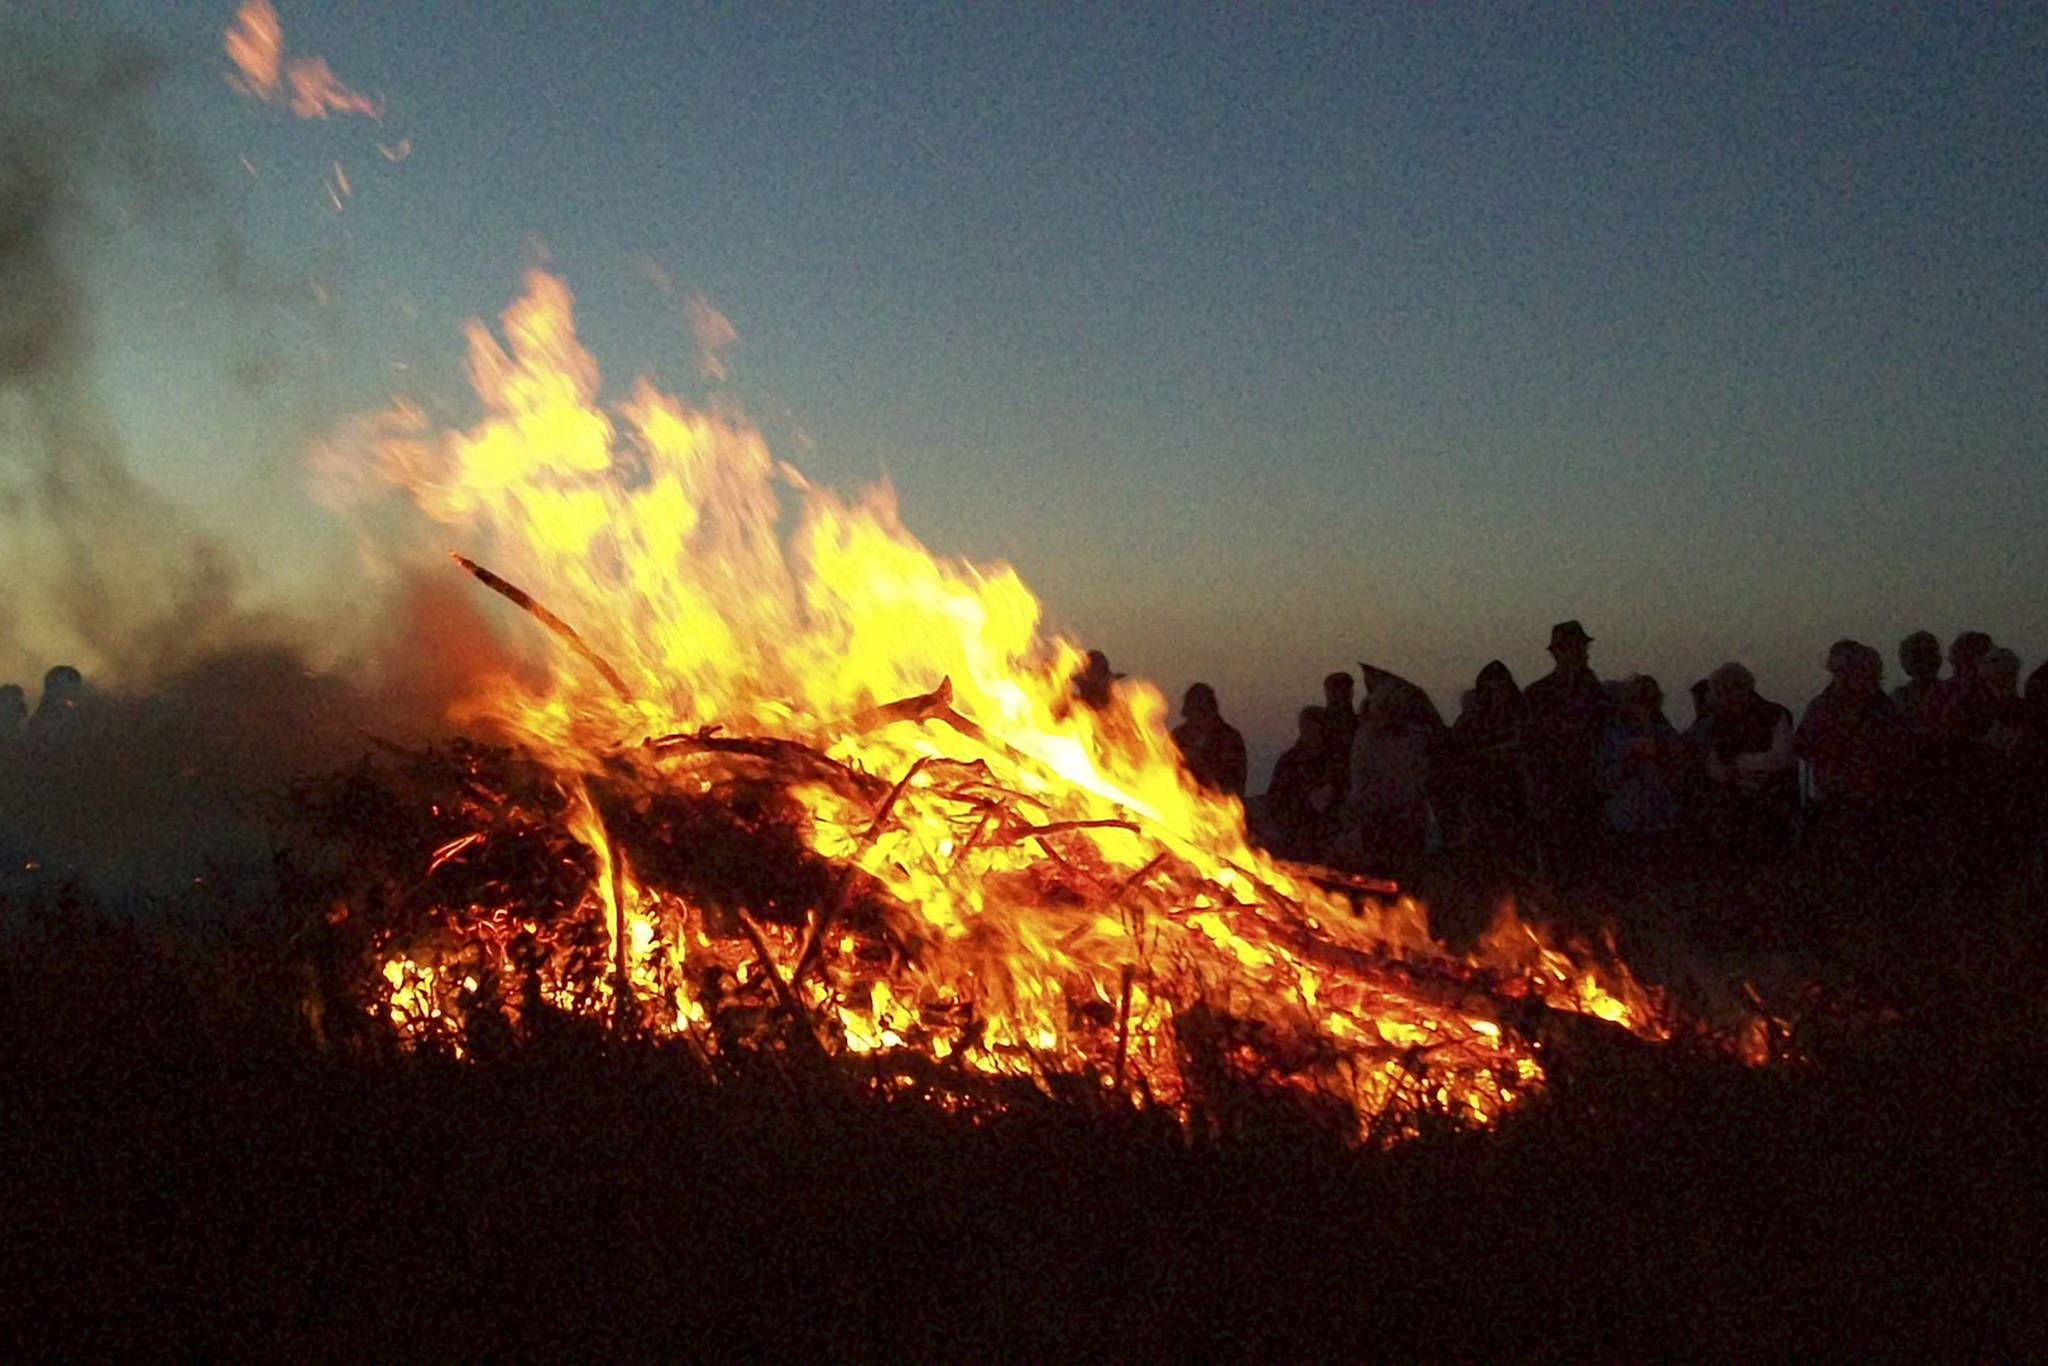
x=63 y=691
x=1541 y=782
x=1574 y=770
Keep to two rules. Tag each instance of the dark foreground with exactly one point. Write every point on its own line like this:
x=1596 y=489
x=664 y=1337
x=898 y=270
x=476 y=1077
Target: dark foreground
x=183 y=1172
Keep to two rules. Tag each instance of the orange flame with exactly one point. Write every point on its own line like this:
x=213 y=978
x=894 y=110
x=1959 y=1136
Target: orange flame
x=255 y=44
x=655 y=530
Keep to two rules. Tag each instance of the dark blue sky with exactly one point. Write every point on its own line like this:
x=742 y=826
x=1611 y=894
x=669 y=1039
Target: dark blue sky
x=1258 y=340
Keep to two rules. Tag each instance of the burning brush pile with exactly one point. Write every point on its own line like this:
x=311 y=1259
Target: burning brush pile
x=818 y=793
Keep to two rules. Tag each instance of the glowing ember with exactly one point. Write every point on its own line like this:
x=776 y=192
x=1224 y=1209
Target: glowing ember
x=974 y=871
x=255 y=44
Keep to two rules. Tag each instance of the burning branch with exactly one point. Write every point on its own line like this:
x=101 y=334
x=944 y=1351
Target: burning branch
x=519 y=597
x=821 y=921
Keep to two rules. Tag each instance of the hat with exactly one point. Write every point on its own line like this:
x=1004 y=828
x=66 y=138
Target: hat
x=1098 y=664
x=1569 y=632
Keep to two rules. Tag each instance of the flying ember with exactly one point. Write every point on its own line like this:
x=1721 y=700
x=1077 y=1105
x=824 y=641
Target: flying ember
x=813 y=788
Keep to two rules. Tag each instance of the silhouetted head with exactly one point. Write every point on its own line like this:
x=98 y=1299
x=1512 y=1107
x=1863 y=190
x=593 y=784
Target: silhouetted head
x=1337 y=690
x=62 y=687
x=1702 y=696
x=1568 y=642
x=2037 y=686
x=1731 y=685
x=1967 y=651
x=13 y=708
x=1198 y=703
x=1093 y=682
x=1920 y=656
x=1642 y=695
x=1495 y=685
x=1309 y=726
x=1855 y=665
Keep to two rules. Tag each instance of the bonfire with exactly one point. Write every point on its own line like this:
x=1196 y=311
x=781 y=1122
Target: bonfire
x=815 y=791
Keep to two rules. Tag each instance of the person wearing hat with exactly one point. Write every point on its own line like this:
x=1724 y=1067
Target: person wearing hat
x=1568 y=714
x=1095 y=681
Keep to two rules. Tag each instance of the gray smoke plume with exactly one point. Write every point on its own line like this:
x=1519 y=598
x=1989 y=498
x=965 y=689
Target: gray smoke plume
x=197 y=709
x=97 y=565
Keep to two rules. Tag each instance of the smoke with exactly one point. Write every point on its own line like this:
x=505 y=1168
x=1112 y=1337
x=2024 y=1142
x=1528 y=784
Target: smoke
x=201 y=705
x=99 y=567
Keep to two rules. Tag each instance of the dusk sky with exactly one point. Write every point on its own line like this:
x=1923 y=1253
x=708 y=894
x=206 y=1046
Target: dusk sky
x=1260 y=341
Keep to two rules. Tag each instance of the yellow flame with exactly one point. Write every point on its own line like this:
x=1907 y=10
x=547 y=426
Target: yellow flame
x=655 y=532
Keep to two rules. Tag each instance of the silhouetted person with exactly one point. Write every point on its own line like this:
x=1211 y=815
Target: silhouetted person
x=1386 y=814
x=1483 y=780
x=1962 y=702
x=13 y=711
x=2035 y=696
x=1698 y=739
x=1959 y=714
x=2036 y=693
x=1568 y=714
x=1856 y=746
x=1210 y=747
x=1094 y=683
x=1752 y=800
x=2008 y=732
x=1850 y=734
x=1701 y=693
x=63 y=692
x=1920 y=657
x=1642 y=766
x=1966 y=651
x=1340 y=717
x=1308 y=786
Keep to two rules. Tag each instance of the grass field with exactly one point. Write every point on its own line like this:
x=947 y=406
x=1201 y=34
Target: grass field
x=186 y=1171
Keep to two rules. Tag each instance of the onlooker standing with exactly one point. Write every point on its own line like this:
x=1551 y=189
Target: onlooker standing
x=1850 y=733
x=1340 y=717
x=1642 y=765
x=1210 y=747
x=1920 y=657
x=1387 y=811
x=1568 y=714
x=1752 y=798
x=1486 y=805
x=1095 y=682
x=1308 y=786
x=1856 y=745
x=2002 y=757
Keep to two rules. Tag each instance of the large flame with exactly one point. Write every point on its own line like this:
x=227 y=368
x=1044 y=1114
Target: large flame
x=654 y=532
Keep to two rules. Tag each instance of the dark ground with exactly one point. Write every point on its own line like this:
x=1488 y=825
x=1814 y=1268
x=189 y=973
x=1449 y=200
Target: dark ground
x=185 y=1173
